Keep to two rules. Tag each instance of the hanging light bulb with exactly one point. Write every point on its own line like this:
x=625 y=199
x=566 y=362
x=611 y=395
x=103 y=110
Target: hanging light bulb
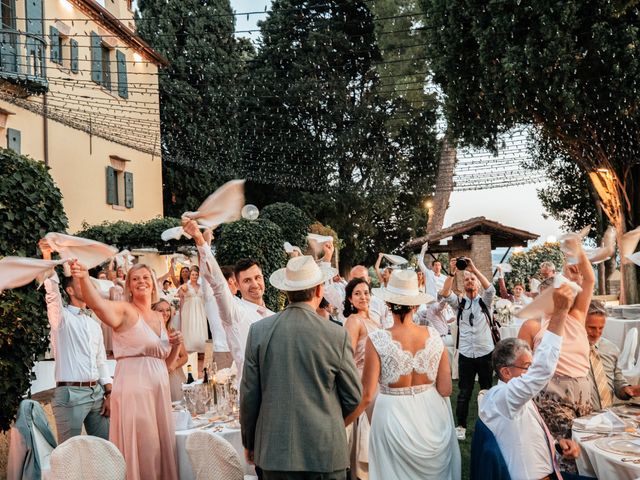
x=250 y=212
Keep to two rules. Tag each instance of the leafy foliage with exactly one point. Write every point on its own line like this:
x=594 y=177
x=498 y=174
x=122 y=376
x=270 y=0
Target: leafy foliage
x=261 y=240
x=293 y=222
x=127 y=235
x=526 y=265
x=30 y=206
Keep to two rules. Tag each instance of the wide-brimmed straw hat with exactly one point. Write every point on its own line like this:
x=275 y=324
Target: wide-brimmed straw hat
x=402 y=289
x=301 y=273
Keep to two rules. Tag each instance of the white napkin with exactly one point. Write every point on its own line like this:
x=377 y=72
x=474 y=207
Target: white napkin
x=316 y=241
x=571 y=251
x=291 y=248
x=88 y=252
x=102 y=286
x=543 y=304
x=635 y=258
x=506 y=267
x=608 y=420
x=222 y=206
x=395 y=259
x=182 y=420
x=124 y=259
x=534 y=285
x=628 y=244
x=607 y=248
x=19 y=271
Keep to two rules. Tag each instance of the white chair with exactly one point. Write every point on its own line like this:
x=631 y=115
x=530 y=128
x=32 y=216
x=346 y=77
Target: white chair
x=480 y=398
x=213 y=458
x=627 y=358
x=85 y=457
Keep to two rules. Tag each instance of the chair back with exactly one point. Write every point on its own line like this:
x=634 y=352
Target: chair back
x=213 y=458
x=85 y=457
x=487 y=462
x=627 y=359
x=481 y=394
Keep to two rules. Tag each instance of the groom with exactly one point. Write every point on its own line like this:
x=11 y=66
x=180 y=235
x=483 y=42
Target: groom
x=299 y=383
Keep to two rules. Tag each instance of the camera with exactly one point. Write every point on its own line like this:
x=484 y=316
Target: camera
x=462 y=263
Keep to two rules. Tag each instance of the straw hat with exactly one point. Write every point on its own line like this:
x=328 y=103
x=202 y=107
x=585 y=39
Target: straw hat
x=402 y=289
x=301 y=273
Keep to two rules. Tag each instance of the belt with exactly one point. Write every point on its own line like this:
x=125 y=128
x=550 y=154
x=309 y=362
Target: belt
x=386 y=390
x=92 y=383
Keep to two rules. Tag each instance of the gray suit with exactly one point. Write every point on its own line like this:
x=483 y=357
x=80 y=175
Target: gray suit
x=299 y=382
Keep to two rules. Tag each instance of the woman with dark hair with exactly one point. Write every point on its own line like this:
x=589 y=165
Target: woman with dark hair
x=359 y=325
x=412 y=434
x=176 y=374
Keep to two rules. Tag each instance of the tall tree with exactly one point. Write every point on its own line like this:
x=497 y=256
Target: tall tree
x=320 y=127
x=570 y=68
x=198 y=95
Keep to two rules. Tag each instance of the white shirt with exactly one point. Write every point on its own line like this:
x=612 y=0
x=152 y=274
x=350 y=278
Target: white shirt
x=433 y=283
x=215 y=323
x=379 y=312
x=77 y=341
x=475 y=341
x=509 y=412
x=236 y=315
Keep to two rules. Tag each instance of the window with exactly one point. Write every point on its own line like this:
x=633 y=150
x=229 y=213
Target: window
x=9 y=38
x=8 y=13
x=13 y=140
x=100 y=61
x=106 y=66
x=119 y=184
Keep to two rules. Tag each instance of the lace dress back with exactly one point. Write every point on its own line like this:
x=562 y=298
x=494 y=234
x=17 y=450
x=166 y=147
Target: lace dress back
x=396 y=362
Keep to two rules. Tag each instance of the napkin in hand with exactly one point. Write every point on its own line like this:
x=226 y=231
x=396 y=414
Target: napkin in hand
x=316 y=241
x=19 y=271
x=606 y=250
x=628 y=244
x=87 y=252
x=395 y=259
x=291 y=248
x=543 y=303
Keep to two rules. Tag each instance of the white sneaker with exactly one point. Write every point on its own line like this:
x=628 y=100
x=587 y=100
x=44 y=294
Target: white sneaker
x=461 y=433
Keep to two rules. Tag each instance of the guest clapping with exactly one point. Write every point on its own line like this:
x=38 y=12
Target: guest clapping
x=176 y=374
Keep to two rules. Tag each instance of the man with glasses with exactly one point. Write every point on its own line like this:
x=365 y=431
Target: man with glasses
x=606 y=376
x=474 y=341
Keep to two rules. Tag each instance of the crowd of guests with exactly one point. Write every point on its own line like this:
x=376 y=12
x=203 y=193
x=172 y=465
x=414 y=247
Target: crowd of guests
x=346 y=380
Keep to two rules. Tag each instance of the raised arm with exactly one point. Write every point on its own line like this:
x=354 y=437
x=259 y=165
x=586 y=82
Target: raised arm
x=172 y=273
x=376 y=268
x=327 y=248
x=448 y=283
x=583 y=299
x=421 y=265
x=481 y=278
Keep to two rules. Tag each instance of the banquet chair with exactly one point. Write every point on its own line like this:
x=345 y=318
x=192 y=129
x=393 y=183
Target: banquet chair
x=85 y=457
x=213 y=458
x=627 y=358
x=480 y=398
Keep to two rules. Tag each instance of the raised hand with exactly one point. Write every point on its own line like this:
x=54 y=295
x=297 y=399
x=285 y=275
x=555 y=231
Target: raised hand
x=78 y=270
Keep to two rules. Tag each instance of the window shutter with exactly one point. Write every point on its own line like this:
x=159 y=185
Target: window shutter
x=74 y=55
x=123 y=89
x=128 y=189
x=54 y=42
x=96 y=58
x=13 y=140
x=112 y=186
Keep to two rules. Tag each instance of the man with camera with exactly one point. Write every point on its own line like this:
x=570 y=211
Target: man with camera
x=474 y=341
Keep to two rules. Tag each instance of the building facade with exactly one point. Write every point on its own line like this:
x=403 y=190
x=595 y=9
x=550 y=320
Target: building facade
x=79 y=91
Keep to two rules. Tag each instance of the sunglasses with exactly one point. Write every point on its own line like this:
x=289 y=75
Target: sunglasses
x=471 y=319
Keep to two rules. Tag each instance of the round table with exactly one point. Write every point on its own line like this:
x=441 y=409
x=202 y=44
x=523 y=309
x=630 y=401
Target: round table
x=595 y=462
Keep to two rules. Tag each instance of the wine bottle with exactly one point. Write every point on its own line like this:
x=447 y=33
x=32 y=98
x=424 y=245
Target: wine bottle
x=189 y=374
x=205 y=375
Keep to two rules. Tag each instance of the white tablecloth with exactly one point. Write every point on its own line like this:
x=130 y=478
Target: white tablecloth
x=231 y=435
x=616 y=330
x=595 y=462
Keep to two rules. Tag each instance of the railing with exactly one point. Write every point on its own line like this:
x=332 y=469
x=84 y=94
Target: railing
x=23 y=59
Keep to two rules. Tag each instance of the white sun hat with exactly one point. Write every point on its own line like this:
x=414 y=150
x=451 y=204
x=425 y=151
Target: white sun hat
x=402 y=289
x=301 y=273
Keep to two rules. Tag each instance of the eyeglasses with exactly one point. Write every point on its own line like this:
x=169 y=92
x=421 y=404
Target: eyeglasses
x=471 y=319
x=518 y=366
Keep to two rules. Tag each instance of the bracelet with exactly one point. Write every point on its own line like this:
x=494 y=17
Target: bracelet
x=452 y=274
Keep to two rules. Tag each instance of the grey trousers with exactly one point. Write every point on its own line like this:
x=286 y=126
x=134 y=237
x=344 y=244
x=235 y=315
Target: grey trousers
x=271 y=475
x=75 y=406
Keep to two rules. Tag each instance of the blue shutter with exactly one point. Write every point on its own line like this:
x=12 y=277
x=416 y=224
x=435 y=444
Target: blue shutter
x=13 y=140
x=123 y=88
x=74 y=55
x=54 y=44
x=96 y=58
x=112 y=186
x=128 y=189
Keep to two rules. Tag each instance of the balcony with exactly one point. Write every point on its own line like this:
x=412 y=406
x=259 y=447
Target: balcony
x=23 y=60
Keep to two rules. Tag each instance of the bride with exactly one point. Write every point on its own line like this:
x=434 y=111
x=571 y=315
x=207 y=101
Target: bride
x=412 y=433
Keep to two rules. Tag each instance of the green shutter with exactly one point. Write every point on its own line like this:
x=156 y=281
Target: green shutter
x=96 y=58
x=128 y=189
x=13 y=140
x=74 y=55
x=112 y=186
x=123 y=89
x=54 y=43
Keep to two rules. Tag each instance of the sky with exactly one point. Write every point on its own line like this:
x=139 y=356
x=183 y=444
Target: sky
x=517 y=206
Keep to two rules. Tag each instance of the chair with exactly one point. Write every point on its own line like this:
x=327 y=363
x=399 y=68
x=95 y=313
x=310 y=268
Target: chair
x=32 y=441
x=213 y=458
x=627 y=358
x=487 y=462
x=480 y=398
x=85 y=457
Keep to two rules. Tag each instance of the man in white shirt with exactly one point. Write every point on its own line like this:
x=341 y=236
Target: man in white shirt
x=433 y=277
x=508 y=409
x=83 y=383
x=221 y=352
x=236 y=314
x=474 y=341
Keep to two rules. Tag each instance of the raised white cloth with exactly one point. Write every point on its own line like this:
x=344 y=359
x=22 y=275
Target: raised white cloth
x=628 y=244
x=88 y=252
x=19 y=271
x=542 y=305
x=508 y=411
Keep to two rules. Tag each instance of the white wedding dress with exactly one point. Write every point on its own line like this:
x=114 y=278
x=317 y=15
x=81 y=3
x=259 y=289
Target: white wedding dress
x=412 y=434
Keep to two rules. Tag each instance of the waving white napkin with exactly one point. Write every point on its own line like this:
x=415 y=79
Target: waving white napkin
x=222 y=206
x=635 y=258
x=19 y=271
x=102 y=286
x=395 y=259
x=124 y=259
x=88 y=252
x=534 y=285
x=606 y=250
x=291 y=248
x=571 y=249
x=316 y=241
x=628 y=244
x=505 y=267
x=543 y=303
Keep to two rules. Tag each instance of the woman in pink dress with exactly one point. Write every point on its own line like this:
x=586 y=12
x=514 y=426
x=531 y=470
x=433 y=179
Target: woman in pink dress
x=141 y=421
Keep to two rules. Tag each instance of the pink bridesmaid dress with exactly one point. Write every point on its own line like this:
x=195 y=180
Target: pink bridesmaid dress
x=141 y=423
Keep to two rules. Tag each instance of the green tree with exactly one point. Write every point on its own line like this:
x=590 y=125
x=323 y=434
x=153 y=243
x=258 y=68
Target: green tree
x=323 y=133
x=569 y=68
x=526 y=265
x=30 y=207
x=198 y=95
x=293 y=222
